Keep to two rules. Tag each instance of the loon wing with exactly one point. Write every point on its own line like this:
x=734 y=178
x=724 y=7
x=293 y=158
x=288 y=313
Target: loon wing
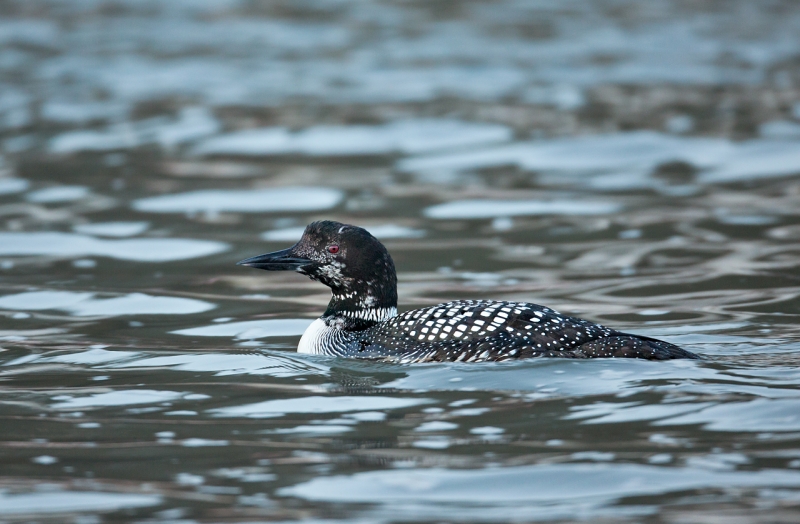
x=472 y=331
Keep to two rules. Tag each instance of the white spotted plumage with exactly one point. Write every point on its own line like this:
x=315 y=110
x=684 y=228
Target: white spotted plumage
x=485 y=330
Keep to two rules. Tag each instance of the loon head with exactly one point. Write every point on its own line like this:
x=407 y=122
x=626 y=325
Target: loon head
x=347 y=259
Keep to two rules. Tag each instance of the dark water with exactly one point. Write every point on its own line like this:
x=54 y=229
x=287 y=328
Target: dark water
x=633 y=163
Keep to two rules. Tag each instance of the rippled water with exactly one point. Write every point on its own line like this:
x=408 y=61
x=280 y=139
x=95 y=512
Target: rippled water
x=633 y=163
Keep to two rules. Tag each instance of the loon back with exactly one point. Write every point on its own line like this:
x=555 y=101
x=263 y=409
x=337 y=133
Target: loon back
x=361 y=320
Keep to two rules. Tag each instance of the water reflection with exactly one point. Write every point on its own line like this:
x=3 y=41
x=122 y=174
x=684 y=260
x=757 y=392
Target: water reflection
x=250 y=329
x=532 y=492
x=339 y=404
x=404 y=136
x=381 y=232
x=112 y=229
x=505 y=208
x=245 y=201
x=138 y=249
x=193 y=123
x=60 y=502
x=87 y=304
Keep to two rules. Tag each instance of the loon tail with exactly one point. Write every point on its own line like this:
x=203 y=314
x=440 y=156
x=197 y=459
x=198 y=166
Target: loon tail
x=624 y=345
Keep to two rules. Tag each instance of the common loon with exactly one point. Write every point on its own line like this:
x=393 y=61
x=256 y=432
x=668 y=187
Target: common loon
x=361 y=320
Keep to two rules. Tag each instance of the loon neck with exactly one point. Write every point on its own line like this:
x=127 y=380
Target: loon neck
x=363 y=308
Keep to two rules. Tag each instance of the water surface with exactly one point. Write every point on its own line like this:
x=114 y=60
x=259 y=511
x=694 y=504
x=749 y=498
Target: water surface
x=635 y=164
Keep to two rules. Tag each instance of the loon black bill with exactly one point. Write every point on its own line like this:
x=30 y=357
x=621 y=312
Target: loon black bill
x=283 y=260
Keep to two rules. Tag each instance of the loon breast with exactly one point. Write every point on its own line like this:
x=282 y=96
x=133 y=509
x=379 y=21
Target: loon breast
x=314 y=338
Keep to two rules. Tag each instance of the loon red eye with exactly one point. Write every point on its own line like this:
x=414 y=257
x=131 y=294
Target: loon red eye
x=333 y=248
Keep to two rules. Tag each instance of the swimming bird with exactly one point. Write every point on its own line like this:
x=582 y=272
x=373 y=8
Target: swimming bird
x=361 y=320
